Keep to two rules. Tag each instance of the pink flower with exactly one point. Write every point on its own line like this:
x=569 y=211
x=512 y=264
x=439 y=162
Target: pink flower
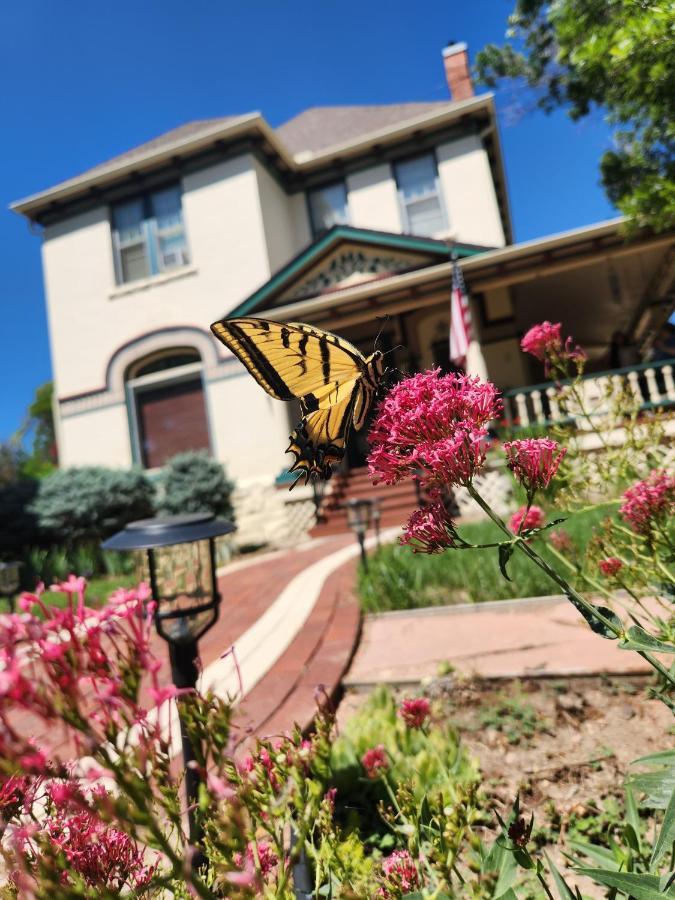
x=400 y=874
x=428 y=530
x=610 y=566
x=329 y=797
x=415 y=711
x=432 y=427
x=34 y=761
x=534 y=461
x=561 y=540
x=542 y=340
x=524 y=519
x=267 y=859
x=375 y=761
x=650 y=502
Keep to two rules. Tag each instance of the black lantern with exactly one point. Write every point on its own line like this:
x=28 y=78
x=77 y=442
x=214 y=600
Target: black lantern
x=358 y=519
x=376 y=515
x=182 y=568
x=9 y=581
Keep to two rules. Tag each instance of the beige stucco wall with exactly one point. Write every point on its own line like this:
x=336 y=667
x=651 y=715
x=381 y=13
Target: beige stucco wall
x=468 y=190
x=90 y=318
x=98 y=437
x=373 y=201
x=282 y=222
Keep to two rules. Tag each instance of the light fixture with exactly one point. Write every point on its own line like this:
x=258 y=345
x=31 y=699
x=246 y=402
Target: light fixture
x=358 y=519
x=9 y=581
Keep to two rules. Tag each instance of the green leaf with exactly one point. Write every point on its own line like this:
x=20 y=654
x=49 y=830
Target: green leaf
x=641 y=887
x=596 y=625
x=666 y=836
x=505 y=553
x=633 y=816
x=662 y=758
x=508 y=895
x=600 y=855
x=564 y=890
x=657 y=786
x=639 y=639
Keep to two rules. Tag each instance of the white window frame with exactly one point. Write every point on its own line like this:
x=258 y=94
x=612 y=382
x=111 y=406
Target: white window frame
x=437 y=193
x=150 y=237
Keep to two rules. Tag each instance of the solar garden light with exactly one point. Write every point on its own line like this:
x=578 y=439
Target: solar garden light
x=358 y=519
x=182 y=565
x=9 y=581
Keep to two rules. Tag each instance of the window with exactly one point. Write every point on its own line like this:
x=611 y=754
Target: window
x=419 y=195
x=328 y=207
x=148 y=235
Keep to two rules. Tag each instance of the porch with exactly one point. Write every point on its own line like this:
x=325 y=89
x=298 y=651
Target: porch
x=652 y=385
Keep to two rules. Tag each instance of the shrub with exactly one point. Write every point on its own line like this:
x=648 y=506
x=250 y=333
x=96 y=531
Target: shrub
x=193 y=482
x=91 y=503
x=18 y=524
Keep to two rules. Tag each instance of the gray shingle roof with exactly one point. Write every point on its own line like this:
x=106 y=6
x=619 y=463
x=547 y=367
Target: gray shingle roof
x=190 y=129
x=321 y=127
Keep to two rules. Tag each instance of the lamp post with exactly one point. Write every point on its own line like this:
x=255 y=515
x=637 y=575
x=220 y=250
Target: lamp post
x=376 y=515
x=358 y=519
x=9 y=581
x=182 y=566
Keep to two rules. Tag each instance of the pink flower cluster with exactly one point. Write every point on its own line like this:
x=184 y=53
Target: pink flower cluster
x=524 y=519
x=400 y=874
x=432 y=427
x=534 y=462
x=375 y=761
x=542 y=340
x=259 y=854
x=415 y=711
x=650 y=503
x=429 y=530
x=561 y=541
x=610 y=566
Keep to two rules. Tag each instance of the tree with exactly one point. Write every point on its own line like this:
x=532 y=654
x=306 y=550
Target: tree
x=193 y=482
x=615 y=54
x=39 y=422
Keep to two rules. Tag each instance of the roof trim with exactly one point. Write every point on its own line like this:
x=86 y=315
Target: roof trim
x=336 y=235
x=245 y=124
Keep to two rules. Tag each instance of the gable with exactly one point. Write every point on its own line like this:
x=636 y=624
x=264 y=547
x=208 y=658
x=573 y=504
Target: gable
x=343 y=257
x=351 y=264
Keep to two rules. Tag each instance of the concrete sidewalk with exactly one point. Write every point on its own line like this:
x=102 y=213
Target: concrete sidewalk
x=502 y=639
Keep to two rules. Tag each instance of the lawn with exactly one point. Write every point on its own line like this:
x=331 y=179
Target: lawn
x=397 y=578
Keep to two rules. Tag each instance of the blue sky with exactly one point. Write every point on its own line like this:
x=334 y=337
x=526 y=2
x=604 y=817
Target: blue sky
x=89 y=80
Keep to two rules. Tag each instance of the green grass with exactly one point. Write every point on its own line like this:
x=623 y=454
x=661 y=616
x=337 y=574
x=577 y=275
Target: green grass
x=397 y=578
x=98 y=591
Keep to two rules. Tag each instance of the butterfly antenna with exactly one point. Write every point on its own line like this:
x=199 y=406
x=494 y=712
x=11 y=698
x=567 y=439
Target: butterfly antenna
x=393 y=349
x=383 y=320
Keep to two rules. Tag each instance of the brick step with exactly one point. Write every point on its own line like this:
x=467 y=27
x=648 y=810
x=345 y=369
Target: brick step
x=386 y=495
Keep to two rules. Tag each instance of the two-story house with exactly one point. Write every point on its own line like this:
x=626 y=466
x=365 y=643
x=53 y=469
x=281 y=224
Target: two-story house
x=337 y=217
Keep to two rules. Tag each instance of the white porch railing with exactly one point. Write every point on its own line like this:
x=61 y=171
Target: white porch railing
x=652 y=385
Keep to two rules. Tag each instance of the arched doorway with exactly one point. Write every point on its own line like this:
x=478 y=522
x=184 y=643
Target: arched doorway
x=167 y=409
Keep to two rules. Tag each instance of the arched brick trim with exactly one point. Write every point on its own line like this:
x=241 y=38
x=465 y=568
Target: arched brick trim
x=152 y=342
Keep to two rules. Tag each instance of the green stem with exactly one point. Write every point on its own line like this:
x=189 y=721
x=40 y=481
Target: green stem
x=542 y=881
x=566 y=587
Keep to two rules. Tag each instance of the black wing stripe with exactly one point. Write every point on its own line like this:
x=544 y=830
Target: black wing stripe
x=325 y=358
x=275 y=381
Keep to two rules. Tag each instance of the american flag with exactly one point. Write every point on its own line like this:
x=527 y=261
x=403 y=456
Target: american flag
x=461 y=331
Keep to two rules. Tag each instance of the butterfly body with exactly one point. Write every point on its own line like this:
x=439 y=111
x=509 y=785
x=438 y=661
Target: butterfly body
x=334 y=382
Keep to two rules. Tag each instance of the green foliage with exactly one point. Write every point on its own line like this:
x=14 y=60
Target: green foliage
x=515 y=718
x=18 y=523
x=90 y=503
x=193 y=482
x=425 y=762
x=615 y=54
x=399 y=579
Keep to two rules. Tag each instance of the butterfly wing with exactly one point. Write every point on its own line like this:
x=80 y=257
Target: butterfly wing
x=292 y=360
x=318 y=443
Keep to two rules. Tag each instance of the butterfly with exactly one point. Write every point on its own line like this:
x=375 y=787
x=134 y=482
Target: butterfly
x=334 y=382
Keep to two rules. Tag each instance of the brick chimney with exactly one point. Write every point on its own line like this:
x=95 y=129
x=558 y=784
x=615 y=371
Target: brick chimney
x=457 y=72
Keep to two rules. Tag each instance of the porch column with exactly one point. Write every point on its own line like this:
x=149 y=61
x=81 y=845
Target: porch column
x=475 y=361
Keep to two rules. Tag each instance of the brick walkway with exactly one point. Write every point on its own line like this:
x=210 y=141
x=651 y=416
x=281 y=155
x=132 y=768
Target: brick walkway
x=505 y=639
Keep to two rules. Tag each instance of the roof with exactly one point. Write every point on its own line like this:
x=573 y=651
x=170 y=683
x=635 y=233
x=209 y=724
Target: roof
x=182 y=132
x=321 y=127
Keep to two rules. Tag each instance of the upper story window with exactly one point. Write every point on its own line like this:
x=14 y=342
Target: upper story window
x=328 y=207
x=148 y=235
x=419 y=194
